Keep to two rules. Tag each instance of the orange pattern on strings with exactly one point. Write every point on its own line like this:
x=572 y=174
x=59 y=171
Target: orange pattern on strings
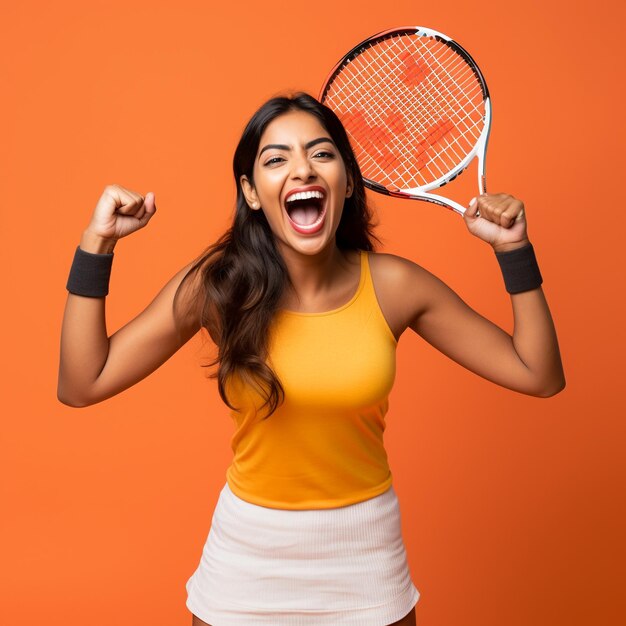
x=414 y=70
x=374 y=139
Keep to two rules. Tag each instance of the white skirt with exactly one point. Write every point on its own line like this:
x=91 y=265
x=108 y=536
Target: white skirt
x=316 y=567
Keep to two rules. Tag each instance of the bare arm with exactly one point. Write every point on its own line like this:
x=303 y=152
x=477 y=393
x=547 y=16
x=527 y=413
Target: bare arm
x=94 y=366
x=527 y=361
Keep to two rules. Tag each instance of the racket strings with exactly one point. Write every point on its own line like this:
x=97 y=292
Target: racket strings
x=413 y=108
x=416 y=123
x=432 y=120
x=434 y=110
x=446 y=69
x=428 y=93
x=467 y=75
x=380 y=154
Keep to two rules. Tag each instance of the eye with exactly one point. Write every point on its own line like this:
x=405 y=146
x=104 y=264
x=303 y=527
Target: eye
x=323 y=153
x=271 y=161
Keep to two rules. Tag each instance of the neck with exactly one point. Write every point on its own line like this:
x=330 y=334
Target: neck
x=313 y=275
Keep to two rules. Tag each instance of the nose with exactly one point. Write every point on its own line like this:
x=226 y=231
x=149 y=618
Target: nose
x=302 y=167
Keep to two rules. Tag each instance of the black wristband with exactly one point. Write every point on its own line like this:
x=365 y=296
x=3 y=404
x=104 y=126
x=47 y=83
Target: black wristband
x=90 y=274
x=520 y=269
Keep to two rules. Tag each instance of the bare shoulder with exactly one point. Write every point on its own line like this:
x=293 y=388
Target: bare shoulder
x=393 y=267
x=402 y=287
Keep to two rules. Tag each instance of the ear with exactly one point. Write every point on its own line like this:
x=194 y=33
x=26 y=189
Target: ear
x=349 y=186
x=249 y=193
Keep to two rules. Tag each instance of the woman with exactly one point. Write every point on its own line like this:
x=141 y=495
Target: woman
x=306 y=318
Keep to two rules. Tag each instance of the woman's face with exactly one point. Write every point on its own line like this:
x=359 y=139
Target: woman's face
x=297 y=154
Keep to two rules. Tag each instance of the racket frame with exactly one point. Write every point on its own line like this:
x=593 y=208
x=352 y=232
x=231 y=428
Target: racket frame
x=480 y=147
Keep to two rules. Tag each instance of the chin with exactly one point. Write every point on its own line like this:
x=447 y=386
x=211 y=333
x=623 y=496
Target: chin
x=310 y=245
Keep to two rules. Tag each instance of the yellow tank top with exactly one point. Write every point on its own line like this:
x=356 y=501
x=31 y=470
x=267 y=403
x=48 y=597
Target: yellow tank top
x=323 y=447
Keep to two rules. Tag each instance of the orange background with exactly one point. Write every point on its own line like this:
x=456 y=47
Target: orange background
x=513 y=507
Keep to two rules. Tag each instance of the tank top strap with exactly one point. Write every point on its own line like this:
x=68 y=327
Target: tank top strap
x=366 y=286
x=367 y=294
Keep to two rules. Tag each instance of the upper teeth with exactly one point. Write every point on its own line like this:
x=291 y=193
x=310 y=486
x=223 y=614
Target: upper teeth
x=305 y=195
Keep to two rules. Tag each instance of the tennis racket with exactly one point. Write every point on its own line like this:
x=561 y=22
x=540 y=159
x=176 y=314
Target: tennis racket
x=416 y=109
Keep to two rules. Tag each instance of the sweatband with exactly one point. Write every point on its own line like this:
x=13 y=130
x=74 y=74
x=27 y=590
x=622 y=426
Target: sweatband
x=90 y=274
x=519 y=269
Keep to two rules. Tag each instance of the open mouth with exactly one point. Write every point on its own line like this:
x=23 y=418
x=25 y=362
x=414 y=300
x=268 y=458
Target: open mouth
x=306 y=211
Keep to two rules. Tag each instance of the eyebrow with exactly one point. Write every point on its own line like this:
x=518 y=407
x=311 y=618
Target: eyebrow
x=310 y=144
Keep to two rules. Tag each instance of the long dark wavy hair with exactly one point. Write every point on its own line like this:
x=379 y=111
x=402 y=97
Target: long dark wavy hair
x=243 y=275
